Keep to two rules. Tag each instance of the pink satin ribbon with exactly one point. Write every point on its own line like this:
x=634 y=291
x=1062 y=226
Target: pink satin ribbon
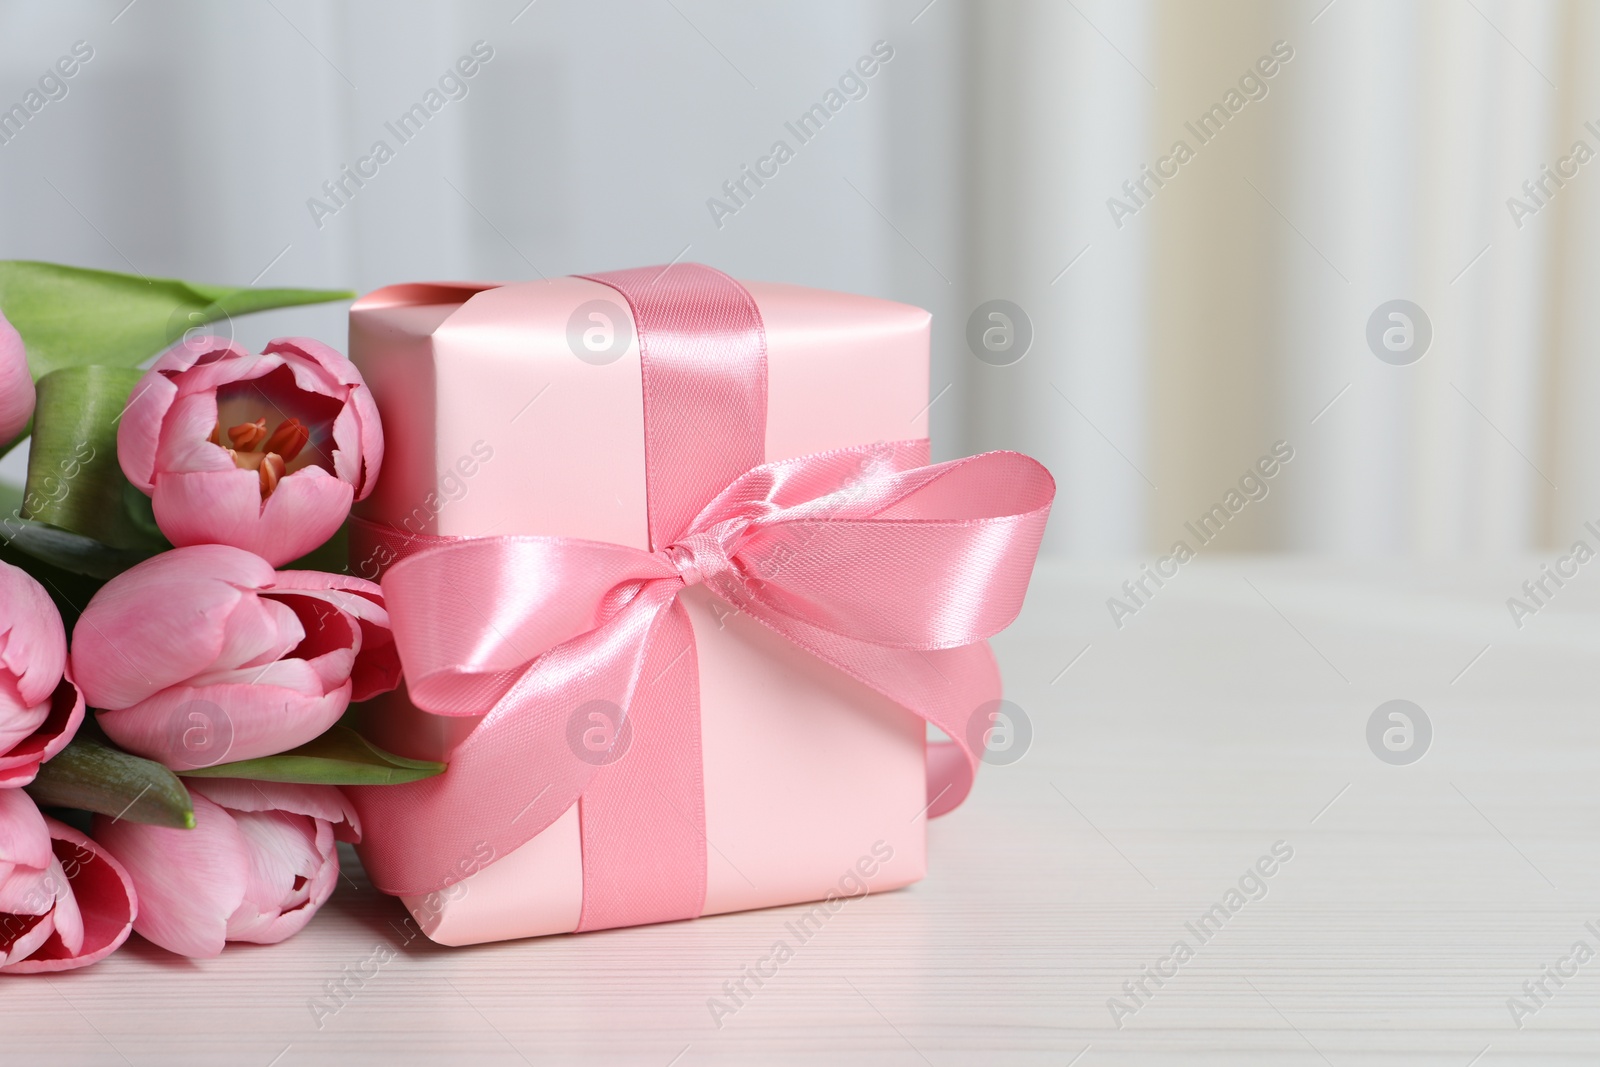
x=888 y=569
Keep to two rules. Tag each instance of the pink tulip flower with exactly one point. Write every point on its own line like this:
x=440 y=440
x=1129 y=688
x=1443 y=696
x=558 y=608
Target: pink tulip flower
x=204 y=655
x=264 y=452
x=16 y=383
x=256 y=867
x=64 y=902
x=40 y=707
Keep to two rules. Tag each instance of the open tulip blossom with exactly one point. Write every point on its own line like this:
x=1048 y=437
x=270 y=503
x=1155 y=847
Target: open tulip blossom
x=64 y=902
x=205 y=654
x=263 y=452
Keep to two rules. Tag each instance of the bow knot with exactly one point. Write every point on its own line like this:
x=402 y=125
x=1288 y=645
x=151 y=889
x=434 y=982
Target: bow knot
x=699 y=557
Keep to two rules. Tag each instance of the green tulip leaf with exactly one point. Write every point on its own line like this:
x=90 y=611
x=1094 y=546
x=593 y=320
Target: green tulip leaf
x=91 y=775
x=75 y=482
x=70 y=316
x=65 y=550
x=10 y=499
x=339 y=757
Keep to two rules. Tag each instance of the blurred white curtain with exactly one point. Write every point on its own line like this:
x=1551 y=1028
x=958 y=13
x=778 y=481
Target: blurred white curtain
x=1060 y=102
x=1230 y=311
x=1415 y=125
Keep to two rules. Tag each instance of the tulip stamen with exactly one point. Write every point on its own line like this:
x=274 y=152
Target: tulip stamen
x=268 y=465
x=276 y=450
x=247 y=435
x=288 y=439
x=271 y=470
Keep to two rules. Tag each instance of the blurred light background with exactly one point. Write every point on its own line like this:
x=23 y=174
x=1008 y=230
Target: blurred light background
x=1176 y=339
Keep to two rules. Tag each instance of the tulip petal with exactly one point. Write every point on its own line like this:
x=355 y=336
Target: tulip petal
x=325 y=624
x=357 y=432
x=21 y=936
x=376 y=670
x=377 y=665
x=34 y=646
x=239 y=721
x=18 y=722
x=67 y=918
x=188 y=881
x=21 y=763
x=324 y=802
x=306 y=509
x=16 y=383
x=160 y=622
x=102 y=894
x=139 y=432
x=221 y=507
x=185 y=442
x=203 y=364
x=311 y=377
x=24 y=836
x=330 y=364
x=219 y=563
x=332 y=637
x=260 y=631
x=323 y=880
x=348 y=585
x=284 y=859
x=31 y=890
x=347 y=446
x=225 y=508
x=295 y=675
x=366 y=409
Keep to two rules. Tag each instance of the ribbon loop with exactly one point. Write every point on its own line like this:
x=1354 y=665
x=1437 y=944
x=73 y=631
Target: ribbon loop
x=856 y=561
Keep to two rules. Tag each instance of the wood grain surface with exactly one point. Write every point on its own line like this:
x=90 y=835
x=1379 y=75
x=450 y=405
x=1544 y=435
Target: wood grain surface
x=1226 y=717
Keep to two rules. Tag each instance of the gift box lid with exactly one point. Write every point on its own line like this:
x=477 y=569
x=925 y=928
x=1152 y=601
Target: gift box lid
x=500 y=369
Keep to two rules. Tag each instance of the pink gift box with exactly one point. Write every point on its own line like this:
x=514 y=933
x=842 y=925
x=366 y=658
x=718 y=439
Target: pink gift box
x=814 y=783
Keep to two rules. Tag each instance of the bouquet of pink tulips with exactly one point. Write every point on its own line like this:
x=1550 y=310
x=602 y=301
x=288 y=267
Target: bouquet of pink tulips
x=175 y=768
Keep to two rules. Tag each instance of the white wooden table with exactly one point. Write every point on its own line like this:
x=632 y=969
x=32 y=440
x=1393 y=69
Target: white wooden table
x=1228 y=715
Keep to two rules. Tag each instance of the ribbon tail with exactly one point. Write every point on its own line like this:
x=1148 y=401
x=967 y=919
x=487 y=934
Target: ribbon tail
x=643 y=813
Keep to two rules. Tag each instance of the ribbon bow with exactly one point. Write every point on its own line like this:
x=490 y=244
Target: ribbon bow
x=892 y=578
